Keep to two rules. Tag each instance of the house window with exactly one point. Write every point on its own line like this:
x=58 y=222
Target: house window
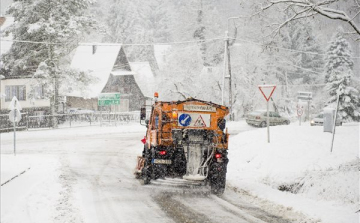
x=15 y=90
x=39 y=92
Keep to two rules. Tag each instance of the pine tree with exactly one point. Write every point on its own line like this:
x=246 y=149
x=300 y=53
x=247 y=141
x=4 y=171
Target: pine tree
x=121 y=22
x=311 y=63
x=46 y=32
x=338 y=73
x=338 y=55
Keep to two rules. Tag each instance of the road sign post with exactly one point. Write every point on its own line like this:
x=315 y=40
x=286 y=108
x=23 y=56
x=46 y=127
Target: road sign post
x=303 y=96
x=299 y=111
x=14 y=116
x=267 y=91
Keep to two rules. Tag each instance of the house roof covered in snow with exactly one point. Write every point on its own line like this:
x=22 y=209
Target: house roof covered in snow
x=144 y=77
x=100 y=61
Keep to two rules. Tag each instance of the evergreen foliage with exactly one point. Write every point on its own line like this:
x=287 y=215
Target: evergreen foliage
x=338 y=55
x=47 y=31
x=338 y=74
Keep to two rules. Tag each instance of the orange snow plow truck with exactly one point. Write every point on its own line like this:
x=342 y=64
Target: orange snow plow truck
x=185 y=139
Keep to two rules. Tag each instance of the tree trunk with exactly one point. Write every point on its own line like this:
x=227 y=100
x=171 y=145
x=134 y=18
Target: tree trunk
x=54 y=104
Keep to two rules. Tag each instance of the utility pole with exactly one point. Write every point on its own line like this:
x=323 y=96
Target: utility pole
x=225 y=69
x=228 y=68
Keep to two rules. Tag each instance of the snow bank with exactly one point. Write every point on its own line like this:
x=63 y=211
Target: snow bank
x=298 y=161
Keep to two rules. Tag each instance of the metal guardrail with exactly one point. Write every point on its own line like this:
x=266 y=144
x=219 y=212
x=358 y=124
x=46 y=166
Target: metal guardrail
x=69 y=120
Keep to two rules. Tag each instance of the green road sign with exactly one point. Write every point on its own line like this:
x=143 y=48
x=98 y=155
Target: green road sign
x=106 y=99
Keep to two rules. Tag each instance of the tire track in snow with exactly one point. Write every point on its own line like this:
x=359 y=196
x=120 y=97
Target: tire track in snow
x=65 y=209
x=179 y=212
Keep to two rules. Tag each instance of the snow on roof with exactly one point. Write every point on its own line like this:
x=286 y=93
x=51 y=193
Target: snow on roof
x=144 y=77
x=5 y=42
x=100 y=61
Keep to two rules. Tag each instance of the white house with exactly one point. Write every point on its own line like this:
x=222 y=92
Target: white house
x=19 y=86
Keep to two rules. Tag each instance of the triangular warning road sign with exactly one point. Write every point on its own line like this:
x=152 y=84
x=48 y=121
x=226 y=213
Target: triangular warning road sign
x=200 y=122
x=14 y=104
x=267 y=90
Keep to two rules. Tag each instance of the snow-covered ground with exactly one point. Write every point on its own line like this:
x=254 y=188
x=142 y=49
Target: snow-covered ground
x=322 y=184
x=294 y=172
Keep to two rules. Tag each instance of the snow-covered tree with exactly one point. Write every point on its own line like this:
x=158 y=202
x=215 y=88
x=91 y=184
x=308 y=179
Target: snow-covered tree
x=338 y=74
x=154 y=17
x=338 y=55
x=122 y=22
x=44 y=33
x=185 y=76
x=311 y=63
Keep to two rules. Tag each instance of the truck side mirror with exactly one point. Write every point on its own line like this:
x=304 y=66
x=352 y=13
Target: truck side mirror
x=142 y=113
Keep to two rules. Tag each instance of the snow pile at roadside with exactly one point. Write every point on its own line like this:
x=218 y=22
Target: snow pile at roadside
x=298 y=161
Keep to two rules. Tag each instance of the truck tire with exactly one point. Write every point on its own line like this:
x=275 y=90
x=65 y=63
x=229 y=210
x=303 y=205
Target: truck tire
x=145 y=179
x=147 y=170
x=263 y=124
x=218 y=178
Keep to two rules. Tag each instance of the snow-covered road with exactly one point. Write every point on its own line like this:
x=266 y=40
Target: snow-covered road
x=86 y=175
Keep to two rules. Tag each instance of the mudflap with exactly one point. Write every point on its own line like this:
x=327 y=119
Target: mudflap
x=139 y=166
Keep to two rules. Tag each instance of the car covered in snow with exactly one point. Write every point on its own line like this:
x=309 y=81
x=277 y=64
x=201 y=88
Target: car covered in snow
x=318 y=120
x=79 y=111
x=258 y=118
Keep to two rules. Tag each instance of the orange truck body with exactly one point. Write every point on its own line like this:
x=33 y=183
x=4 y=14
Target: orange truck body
x=186 y=139
x=168 y=114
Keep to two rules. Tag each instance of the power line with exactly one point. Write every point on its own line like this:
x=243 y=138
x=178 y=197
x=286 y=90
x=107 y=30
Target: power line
x=287 y=49
x=116 y=44
x=175 y=43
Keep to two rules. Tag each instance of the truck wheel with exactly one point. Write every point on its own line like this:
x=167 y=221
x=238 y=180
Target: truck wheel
x=218 y=178
x=219 y=187
x=145 y=176
x=146 y=171
x=144 y=181
x=263 y=124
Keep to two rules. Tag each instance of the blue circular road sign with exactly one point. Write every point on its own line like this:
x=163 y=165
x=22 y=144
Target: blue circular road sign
x=185 y=119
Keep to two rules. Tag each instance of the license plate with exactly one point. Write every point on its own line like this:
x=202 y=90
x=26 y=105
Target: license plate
x=161 y=161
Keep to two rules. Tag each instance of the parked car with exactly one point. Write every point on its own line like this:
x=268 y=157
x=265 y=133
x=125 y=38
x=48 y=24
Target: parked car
x=319 y=120
x=258 y=118
x=79 y=111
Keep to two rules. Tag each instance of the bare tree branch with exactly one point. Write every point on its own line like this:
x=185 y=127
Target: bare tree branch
x=355 y=15
x=321 y=8
x=330 y=14
x=178 y=92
